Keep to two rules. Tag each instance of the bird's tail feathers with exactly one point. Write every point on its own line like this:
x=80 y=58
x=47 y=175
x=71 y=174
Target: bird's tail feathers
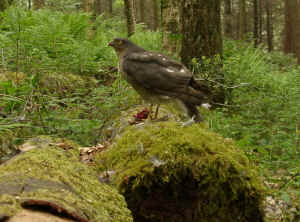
x=195 y=97
x=200 y=86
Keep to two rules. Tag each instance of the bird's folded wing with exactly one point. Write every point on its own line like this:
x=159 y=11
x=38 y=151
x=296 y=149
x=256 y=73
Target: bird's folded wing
x=156 y=58
x=156 y=72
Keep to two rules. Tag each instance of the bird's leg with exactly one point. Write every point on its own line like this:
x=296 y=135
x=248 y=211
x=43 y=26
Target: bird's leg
x=193 y=113
x=150 y=111
x=156 y=111
x=189 y=122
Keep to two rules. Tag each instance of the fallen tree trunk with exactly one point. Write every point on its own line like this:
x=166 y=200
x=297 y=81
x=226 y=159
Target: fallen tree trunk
x=51 y=179
x=170 y=173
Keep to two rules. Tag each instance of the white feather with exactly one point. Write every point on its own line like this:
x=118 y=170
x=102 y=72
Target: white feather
x=170 y=70
x=206 y=105
x=189 y=122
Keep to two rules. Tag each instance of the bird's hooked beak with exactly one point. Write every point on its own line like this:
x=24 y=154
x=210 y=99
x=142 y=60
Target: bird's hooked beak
x=111 y=44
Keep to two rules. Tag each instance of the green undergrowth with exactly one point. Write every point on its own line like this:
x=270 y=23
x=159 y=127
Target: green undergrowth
x=65 y=105
x=262 y=116
x=263 y=113
x=58 y=75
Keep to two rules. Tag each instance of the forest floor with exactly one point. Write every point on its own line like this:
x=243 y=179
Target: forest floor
x=57 y=79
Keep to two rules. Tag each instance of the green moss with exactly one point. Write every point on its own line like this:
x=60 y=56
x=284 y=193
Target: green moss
x=50 y=173
x=194 y=171
x=119 y=123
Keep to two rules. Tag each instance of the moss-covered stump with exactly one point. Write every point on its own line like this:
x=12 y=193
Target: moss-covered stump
x=50 y=177
x=119 y=123
x=170 y=173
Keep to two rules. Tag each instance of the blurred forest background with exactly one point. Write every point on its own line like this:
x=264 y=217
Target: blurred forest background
x=59 y=77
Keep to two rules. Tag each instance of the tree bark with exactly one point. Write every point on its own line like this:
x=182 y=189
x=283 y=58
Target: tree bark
x=110 y=7
x=201 y=30
x=269 y=25
x=255 y=22
x=137 y=11
x=130 y=16
x=260 y=20
x=103 y=6
x=98 y=7
x=154 y=17
x=171 y=27
x=228 y=19
x=87 y=5
x=142 y=11
x=297 y=33
x=3 y=5
x=38 y=4
x=49 y=177
x=29 y=4
x=242 y=20
x=292 y=31
x=289 y=31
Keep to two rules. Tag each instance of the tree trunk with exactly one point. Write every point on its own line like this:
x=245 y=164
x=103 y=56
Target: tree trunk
x=3 y=5
x=29 y=4
x=88 y=5
x=228 y=19
x=38 y=4
x=261 y=20
x=142 y=11
x=130 y=16
x=149 y=13
x=98 y=7
x=137 y=10
x=297 y=30
x=269 y=25
x=50 y=178
x=103 y=6
x=201 y=29
x=292 y=31
x=110 y=7
x=255 y=22
x=154 y=17
x=242 y=29
x=289 y=31
x=170 y=25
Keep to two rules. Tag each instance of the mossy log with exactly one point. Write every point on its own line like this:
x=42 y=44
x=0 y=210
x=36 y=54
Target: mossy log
x=50 y=178
x=170 y=173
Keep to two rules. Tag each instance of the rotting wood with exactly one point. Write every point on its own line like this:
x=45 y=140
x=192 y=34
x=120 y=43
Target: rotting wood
x=51 y=179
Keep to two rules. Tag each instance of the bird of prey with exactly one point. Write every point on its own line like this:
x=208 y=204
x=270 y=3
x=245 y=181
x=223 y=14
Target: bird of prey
x=158 y=78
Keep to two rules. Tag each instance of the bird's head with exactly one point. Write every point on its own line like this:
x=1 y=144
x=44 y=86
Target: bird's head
x=121 y=45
